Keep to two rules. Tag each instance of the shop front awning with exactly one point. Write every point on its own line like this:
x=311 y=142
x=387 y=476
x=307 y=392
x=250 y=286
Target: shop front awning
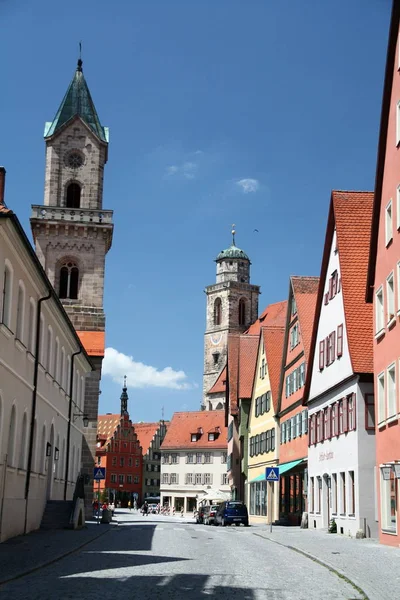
x=283 y=468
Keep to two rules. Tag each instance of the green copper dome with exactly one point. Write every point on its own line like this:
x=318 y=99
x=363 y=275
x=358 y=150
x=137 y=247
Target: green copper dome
x=232 y=252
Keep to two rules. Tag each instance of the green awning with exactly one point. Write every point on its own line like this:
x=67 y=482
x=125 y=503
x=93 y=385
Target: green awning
x=260 y=477
x=284 y=468
x=289 y=465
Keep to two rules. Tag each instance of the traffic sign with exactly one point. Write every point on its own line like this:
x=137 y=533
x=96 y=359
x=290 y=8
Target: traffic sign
x=99 y=473
x=272 y=473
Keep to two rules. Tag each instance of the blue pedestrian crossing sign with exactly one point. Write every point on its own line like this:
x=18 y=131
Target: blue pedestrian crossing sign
x=99 y=473
x=272 y=473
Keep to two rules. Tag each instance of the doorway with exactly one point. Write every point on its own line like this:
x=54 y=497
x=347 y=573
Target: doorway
x=50 y=466
x=326 y=506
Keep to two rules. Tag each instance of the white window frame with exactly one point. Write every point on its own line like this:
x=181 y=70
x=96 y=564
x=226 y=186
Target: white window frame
x=398 y=207
x=390 y=304
x=388 y=222
x=32 y=326
x=391 y=391
x=379 y=310
x=381 y=397
x=385 y=501
x=20 y=324
x=7 y=293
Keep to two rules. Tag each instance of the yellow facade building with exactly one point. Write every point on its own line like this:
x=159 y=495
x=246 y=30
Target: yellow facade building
x=262 y=497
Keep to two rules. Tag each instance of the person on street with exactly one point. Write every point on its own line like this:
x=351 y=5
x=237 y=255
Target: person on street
x=129 y=504
x=112 y=508
x=145 y=509
x=135 y=505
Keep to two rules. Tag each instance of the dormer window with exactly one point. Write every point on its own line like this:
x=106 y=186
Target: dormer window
x=211 y=437
x=193 y=437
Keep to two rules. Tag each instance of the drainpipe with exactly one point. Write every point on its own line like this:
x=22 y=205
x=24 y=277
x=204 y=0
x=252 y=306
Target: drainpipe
x=34 y=397
x=71 y=382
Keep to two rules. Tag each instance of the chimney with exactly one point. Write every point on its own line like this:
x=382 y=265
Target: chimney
x=2 y=184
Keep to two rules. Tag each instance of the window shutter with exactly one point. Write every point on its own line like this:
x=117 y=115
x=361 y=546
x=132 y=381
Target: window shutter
x=330 y=288
x=321 y=355
x=339 y=340
x=326 y=298
x=336 y=407
x=339 y=284
x=272 y=439
x=333 y=346
x=329 y=424
x=354 y=411
x=345 y=416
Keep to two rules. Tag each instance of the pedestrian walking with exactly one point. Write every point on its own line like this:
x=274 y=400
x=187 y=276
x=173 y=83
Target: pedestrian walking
x=145 y=509
x=129 y=505
x=135 y=505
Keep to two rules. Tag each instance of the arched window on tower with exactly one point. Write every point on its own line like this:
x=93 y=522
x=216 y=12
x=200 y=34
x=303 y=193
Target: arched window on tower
x=69 y=279
x=217 y=311
x=242 y=311
x=73 y=195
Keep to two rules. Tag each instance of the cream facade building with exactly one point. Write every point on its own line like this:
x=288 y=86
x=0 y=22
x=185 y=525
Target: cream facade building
x=43 y=367
x=193 y=460
x=262 y=497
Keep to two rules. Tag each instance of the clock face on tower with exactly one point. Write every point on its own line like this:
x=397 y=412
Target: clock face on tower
x=216 y=339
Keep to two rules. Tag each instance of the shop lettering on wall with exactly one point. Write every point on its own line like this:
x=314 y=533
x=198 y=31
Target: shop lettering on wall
x=325 y=456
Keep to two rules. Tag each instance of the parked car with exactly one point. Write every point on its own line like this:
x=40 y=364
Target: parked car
x=200 y=514
x=209 y=514
x=232 y=512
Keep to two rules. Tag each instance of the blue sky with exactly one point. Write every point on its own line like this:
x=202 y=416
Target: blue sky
x=220 y=112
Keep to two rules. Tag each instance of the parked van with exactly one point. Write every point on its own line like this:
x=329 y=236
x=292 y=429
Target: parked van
x=232 y=512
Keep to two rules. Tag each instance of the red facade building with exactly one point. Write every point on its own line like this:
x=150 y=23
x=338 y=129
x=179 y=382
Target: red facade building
x=383 y=289
x=120 y=452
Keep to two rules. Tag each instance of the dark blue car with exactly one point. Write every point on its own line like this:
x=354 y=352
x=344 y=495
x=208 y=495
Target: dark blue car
x=232 y=512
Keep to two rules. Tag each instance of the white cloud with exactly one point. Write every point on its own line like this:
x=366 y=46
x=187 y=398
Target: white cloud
x=248 y=185
x=116 y=365
x=187 y=170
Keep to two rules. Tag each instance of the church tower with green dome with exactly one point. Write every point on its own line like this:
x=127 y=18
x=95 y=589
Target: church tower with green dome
x=232 y=306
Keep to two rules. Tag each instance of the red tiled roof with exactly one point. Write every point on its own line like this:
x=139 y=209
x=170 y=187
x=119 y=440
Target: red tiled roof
x=305 y=290
x=93 y=342
x=184 y=423
x=351 y=214
x=273 y=315
x=247 y=364
x=273 y=338
x=353 y=217
x=106 y=426
x=219 y=386
x=145 y=433
x=233 y=372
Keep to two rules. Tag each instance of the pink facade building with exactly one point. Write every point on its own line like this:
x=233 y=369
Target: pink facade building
x=383 y=289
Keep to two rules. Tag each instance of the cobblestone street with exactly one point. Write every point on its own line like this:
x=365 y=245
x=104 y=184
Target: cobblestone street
x=165 y=557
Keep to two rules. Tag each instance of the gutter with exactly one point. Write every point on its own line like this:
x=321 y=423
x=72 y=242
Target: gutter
x=34 y=398
x=71 y=382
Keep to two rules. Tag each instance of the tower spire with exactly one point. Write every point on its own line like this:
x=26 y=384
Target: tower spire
x=80 y=62
x=233 y=234
x=124 y=399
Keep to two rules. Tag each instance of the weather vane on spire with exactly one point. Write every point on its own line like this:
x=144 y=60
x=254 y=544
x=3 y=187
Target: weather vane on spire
x=80 y=62
x=233 y=234
x=124 y=381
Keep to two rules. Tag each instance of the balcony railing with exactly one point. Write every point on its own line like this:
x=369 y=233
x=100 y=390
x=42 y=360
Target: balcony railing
x=71 y=215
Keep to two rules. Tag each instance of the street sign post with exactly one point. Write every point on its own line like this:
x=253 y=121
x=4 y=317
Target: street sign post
x=271 y=475
x=99 y=473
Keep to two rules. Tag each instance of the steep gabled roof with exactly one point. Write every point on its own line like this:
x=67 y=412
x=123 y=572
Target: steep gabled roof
x=106 y=425
x=273 y=315
x=351 y=214
x=77 y=102
x=305 y=290
x=273 y=338
x=145 y=433
x=247 y=364
x=183 y=424
x=219 y=386
x=383 y=133
x=233 y=372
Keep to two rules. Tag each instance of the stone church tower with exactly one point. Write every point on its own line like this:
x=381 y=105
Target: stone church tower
x=72 y=234
x=232 y=306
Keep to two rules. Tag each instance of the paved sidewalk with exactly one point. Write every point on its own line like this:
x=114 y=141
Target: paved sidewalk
x=373 y=567
x=26 y=553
